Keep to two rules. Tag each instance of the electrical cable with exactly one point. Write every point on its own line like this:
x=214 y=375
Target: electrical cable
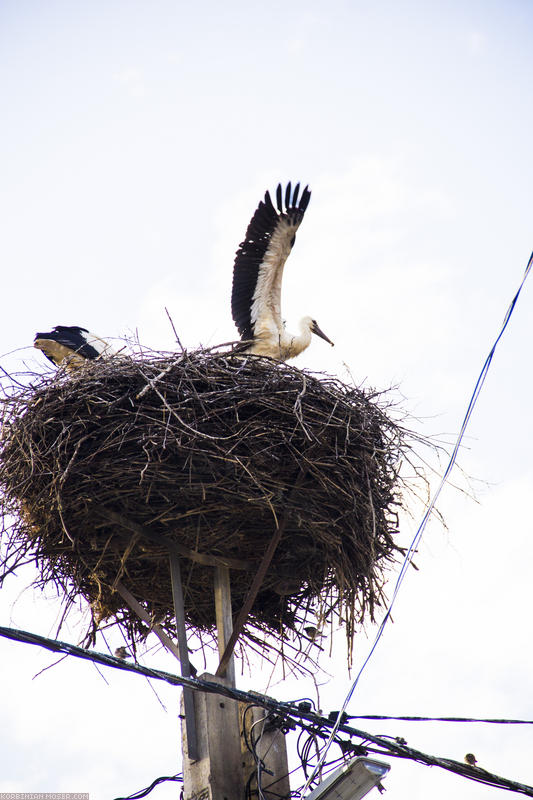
x=293 y=715
x=305 y=757
x=418 y=535
x=490 y=720
x=260 y=764
x=277 y=725
x=251 y=744
x=144 y=792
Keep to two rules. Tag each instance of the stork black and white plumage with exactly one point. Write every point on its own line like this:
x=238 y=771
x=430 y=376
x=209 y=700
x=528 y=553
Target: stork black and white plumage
x=71 y=346
x=258 y=273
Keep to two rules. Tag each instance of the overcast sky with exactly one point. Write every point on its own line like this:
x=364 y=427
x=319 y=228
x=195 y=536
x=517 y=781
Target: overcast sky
x=136 y=141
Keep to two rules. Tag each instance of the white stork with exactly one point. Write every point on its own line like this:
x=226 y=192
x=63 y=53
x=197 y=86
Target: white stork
x=257 y=276
x=71 y=346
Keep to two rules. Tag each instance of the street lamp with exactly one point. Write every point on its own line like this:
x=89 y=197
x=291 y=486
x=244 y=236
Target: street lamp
x=351 y=781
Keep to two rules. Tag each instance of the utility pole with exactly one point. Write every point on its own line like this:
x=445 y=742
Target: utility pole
x=217 y=773
x=222 y=765
x=225 y=765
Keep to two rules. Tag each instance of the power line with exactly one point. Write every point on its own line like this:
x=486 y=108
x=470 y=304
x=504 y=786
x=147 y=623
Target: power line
x=293 y=715
x=156 y=782
x=491 y=720
x=429 y=510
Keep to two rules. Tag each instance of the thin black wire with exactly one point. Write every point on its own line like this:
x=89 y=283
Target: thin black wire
x=144 y=792
x=305 y=752
x=490 y=720
x=260 y=764
x=293 y=714
x=251 y=742
x=429 y=510
x=244 y=731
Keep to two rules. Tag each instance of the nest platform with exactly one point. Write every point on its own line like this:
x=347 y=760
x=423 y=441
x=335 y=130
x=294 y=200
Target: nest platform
x=101 y=468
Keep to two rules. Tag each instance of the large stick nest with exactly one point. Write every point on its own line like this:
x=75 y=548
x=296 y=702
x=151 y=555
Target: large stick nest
x=213 y=452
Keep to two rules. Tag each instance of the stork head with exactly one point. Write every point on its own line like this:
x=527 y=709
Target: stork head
x=313 y=327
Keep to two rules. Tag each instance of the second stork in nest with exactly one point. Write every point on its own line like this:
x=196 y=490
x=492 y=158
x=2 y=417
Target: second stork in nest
x=257 y=276
x=71 y=346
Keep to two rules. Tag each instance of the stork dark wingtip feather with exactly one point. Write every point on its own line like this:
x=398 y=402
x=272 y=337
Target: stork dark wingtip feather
x=304 y=200
x=268 y=202
x=288 y=192
x=295 y=195
x=279 y=198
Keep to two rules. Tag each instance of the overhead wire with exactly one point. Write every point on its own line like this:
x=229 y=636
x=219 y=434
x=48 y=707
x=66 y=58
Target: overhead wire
x=178 y=778
x=429 y=509
x=488 y=720
x=293 y=715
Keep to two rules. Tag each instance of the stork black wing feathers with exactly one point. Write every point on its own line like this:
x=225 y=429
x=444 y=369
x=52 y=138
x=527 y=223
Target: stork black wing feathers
x=279 y=198
x=252 y=250
x=71 y=336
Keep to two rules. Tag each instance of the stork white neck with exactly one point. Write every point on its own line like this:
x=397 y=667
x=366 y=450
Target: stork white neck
x=282 y=344
x=291 y=345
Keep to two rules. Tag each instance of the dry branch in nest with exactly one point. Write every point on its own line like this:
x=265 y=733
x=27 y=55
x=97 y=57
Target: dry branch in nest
x=103 y=470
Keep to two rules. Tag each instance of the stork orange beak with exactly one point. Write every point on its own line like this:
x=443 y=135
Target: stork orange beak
x=320 y=333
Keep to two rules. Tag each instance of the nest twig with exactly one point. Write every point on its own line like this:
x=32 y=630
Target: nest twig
x=103 y=470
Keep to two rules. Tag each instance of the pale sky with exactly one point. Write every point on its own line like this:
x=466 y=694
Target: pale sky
x=136 y=141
